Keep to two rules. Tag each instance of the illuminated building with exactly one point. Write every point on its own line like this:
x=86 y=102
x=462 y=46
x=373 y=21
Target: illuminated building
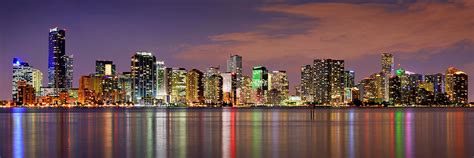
x=349 y=77
x=387 y=63
x=409 y=84
x=244 y=92
x=125 y=87
x=260 y=83
x=424 y=93
x=307 y=86
x=143 y=74
x=229 y=88
x=234 y=65
x=213 y=90
x=379 y=86
x=86 y=93
x=26 y=93
x=21 y=72
x=387 y=69
x=279 y=87
x=37 y=77
x=437 y=81
x=161 y=85
x=395 y=90
x=109 y=93
x=69 y=68
x=328 y=81
x=104 y=68
x=56 y=64
x=178 y=86
x=194 y=87
x=367 y=90
x=457 y=86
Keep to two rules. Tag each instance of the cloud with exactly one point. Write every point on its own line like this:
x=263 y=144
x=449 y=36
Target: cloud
x=345 y=30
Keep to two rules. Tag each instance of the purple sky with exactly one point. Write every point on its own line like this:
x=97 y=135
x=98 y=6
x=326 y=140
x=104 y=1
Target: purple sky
x=425 y=37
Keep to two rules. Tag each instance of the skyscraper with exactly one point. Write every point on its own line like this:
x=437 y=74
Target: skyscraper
x=178 y=86
x=21 y=72
x=37 y=80
x=279 y=87
x=56 y=64
x=387 y=63
x=437 y=81
x=348 y=81
x=328 y=80
x=69 y=68
x=456 y=86
x=307 y=86
x=125 y=87
x=213 y=90
x=234 y=65
x=161 y=86
x=229 y=87
x=387 y=69
x=194 y=87
x=260 y=83
x=143 y=74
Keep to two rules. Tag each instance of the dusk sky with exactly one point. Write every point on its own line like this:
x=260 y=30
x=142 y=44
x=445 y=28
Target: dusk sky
x=425 y=36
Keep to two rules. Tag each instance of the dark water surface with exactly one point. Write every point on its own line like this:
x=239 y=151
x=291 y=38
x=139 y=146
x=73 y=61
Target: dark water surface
x=380 y=133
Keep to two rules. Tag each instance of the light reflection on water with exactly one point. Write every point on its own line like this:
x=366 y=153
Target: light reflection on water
x=231 y=133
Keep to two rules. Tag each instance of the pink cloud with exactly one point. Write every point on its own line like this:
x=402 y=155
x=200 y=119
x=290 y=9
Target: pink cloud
x=348 y=31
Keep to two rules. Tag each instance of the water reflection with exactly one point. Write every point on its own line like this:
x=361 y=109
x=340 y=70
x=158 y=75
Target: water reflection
x=231 y=133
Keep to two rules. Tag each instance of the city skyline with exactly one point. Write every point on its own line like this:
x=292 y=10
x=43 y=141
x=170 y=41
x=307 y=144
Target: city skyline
x=457 y=53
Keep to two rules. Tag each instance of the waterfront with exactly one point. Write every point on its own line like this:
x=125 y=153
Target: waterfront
x=237 y=132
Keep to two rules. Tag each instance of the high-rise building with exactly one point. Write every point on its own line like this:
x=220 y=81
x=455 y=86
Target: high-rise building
x=37 y=77
x=69 y=68
x=456 y=86
x=279 y=87
x=244 y=92
x=379 y=86
x=307 y=87
x=22 y=71
x=349 y=77
x=234 y=65
x=161 y=86
x=229 y=87
x=125 y=87
x=437 y=81
x=408 y=86
x=178 y=86
x=348 y=81
x=367 y=90
x=56 y=64
x=213 y=90
x=194 y=87
x=387 y=69
x=395 y=90
x=328 y=81
x=260 y=83
x=104 y=68
x=143 y=74
x=387 y=63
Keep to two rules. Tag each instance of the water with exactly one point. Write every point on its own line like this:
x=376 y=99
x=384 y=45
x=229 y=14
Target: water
x=415 y=132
